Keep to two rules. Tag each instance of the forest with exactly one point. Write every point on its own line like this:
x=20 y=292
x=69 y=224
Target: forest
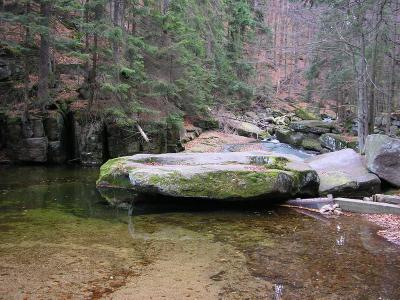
x=199 y=149
x=129 y=58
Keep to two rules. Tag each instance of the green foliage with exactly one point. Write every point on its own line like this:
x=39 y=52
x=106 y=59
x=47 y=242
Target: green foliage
x=189 y=53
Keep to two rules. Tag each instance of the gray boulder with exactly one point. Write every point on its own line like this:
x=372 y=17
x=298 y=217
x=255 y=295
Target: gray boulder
x=230 y=175
x=289 y=136
x=245 y=128
x=343 y=173
x=32 y=150
x=383 y=157
x=312 y=126
x=336 y=142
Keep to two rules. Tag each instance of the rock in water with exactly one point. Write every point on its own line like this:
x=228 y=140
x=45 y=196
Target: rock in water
x=383 y=157
x=343 y=173
x=230 y=175
x=336 y=142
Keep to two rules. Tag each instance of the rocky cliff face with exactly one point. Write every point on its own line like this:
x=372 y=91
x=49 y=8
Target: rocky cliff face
x=57 y=138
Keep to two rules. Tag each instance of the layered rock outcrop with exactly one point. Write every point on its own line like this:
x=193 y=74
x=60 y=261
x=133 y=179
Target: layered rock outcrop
x=56 y=138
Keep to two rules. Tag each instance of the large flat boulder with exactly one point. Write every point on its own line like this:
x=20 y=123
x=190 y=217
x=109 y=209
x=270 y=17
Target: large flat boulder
x=383 y=157
x=343 y=173
x=229 y=175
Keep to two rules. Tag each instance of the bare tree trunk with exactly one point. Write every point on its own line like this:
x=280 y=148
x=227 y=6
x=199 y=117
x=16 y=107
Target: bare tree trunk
x=362 y=103
x=95 y=56
x=44 y=56
x=27 y=45
x=390 y=98
x=371 y=116
x=165 y=6
x=117 y=23
x=87 y=41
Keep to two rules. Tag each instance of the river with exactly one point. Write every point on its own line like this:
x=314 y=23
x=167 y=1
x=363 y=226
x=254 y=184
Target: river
x=60 y=240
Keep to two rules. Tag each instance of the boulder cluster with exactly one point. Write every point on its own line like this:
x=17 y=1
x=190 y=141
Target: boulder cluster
x=261 y=175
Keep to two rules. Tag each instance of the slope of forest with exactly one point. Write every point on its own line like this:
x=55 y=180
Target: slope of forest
x=129 y=68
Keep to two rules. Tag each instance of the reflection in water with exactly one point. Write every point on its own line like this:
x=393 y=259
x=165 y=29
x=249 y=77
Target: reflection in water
x=340 y=241
x=296 y=256
x=278 y=289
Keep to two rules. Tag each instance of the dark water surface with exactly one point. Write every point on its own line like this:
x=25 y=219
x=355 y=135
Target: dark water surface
x=59 y=239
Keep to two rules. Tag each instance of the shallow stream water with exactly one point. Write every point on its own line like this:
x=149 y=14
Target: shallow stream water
x=273 y=146
x=60 y=240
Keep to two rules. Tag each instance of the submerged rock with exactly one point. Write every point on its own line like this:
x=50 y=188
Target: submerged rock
x=383 y=157
x=230 y=175
x=342 y=173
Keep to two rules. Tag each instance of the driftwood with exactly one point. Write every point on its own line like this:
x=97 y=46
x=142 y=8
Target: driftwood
x=144 y=135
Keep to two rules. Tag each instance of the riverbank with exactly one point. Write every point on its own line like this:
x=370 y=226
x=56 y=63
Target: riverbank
x=390 y=226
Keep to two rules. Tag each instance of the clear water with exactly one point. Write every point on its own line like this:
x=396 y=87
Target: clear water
x=59 y=239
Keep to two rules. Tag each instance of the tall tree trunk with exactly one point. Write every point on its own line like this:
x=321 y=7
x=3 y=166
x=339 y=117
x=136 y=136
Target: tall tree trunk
x=117 y=16
x=362 y=103
x=27 y=45
x=165 y=6
x=44 y=55
x=390 y=98
x=87 y=41
x=98 y=11
x=371 y=115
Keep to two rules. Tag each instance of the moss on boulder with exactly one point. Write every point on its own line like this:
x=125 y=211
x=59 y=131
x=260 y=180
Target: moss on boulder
x=336 y=142
x=305 y=115
x=231 y=175
x=311 y=144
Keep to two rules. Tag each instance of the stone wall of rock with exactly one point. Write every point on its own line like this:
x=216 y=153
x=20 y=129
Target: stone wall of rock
x=74 y=137
x=314 y=135
x=39 y=139
x=394 y=127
